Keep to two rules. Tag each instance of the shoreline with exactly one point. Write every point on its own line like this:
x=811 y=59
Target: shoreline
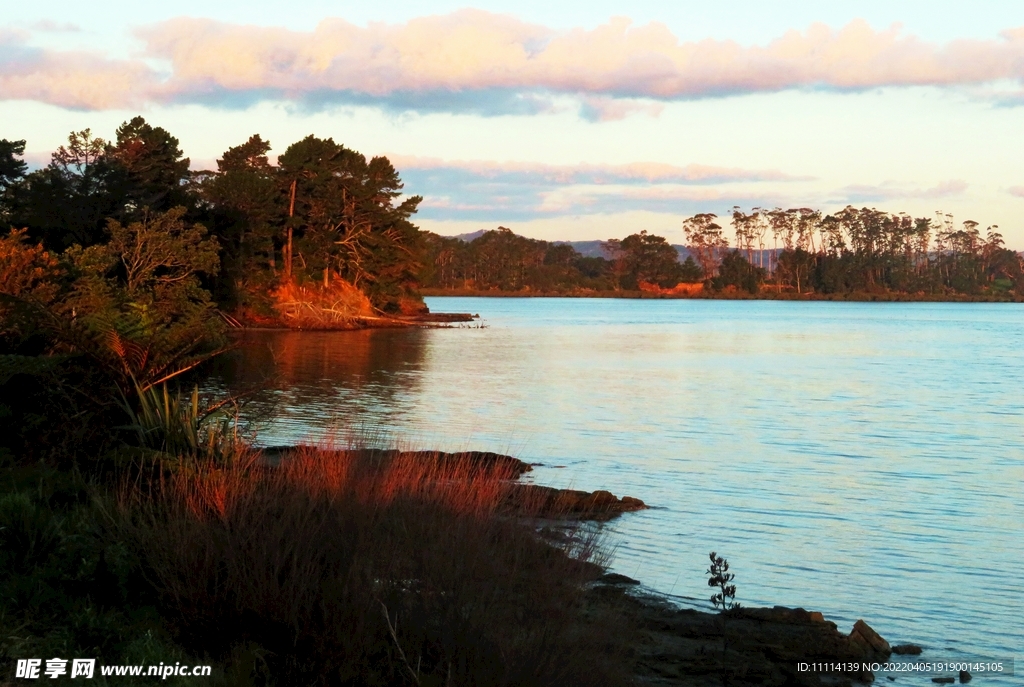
x=735 y=296
x=671 y=645
x=423 y=320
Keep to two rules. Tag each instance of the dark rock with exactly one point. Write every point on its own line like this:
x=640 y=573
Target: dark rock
x=906 y=649
x=617 y=579
x=964 y=676
x=891 y=678
x=547 y=502
x=944 y=680
x=743 y=646
x=874 y=645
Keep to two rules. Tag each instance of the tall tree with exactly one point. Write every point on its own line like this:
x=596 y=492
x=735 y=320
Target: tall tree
x=69 y=201
x=245 y=213
x=156 y=168
x=706 y=241
x=347 y=215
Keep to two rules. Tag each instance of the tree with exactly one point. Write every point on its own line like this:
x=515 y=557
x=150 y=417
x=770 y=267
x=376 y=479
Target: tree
x=690 y=271
x=346 y=215
x=245 y=212
x=136 y=305
x=154 y=165
x=735 y=271
x=649 y=258
x=706 y=241
x=11 y=168
x=69 y=201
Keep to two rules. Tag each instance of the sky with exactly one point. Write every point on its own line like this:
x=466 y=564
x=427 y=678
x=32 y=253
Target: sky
x=571 y=120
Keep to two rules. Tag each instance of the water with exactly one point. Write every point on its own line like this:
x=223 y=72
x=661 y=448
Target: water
x=861 y=459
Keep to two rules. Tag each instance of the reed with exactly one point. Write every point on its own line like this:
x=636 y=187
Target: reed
x=369 y=567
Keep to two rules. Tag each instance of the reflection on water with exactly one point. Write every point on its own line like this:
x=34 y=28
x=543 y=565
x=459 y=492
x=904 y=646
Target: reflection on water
x=308 y=384
x=860 y=459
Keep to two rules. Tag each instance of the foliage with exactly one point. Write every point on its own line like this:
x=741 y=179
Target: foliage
x=345 y=216
x=182 y=428
x=68 y=586
x=137 y=306
x=706 y=242
x=154 y=166
x=721 y=577
x=502 y=260
x=313 y=306
x=26 y=273
x=868 y=251
x=647 y=258
x=58 y=409
x=69 y=201
x=79 y=332
x=735 y=271
x=11 y=168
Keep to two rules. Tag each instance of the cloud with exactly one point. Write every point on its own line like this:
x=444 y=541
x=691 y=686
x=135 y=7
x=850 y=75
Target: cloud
x=72 y=79
x=486 y=63
x=506 y=191
x=890 y=190
x=476 y=52
x=49 y=26
x=548 y=174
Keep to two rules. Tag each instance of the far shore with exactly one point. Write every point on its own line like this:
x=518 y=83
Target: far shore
x=887 y=297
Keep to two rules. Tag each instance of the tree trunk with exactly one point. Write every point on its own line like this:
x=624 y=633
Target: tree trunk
x=288 y=248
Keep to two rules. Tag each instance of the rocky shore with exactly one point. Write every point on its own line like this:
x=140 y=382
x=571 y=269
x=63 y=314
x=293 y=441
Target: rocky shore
x=744 y=646
x=672 y=645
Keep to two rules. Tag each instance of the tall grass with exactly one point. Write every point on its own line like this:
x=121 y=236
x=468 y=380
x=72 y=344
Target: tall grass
x=181 y=427
x=369 y=568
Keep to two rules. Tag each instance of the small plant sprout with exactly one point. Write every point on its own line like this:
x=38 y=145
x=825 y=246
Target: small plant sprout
x=721 y=577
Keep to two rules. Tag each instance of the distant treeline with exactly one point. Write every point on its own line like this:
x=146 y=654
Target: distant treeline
x=800 y=251
x=504 y=261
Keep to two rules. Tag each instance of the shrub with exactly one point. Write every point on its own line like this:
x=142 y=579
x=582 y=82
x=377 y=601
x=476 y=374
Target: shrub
x=721 y=577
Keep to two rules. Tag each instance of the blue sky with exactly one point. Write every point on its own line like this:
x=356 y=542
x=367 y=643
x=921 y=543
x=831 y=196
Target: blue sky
x=562 y=120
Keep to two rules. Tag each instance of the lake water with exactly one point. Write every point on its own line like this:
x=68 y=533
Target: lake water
x=861 y=459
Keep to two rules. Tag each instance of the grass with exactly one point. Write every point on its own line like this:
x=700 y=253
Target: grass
x=332 y=568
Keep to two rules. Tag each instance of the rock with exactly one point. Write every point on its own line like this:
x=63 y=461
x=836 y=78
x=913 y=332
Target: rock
x=872 y=642
x=767 y=647
x=534 y=500
x=964 y=676
x=944 y=680
x=817 y=617
x=891 y=678
x=906 y=649
x=617 y=579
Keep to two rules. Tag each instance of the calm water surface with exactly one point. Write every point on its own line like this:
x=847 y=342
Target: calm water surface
x=861 y=459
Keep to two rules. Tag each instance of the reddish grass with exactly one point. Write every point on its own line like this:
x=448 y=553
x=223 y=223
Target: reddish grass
x=369 y=568
x=315 y=306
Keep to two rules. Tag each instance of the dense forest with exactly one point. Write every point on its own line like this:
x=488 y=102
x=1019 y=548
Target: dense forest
x=853 y=253
x=323 y=212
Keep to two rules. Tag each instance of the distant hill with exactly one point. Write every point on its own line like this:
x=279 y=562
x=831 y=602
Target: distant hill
x=588 y=249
